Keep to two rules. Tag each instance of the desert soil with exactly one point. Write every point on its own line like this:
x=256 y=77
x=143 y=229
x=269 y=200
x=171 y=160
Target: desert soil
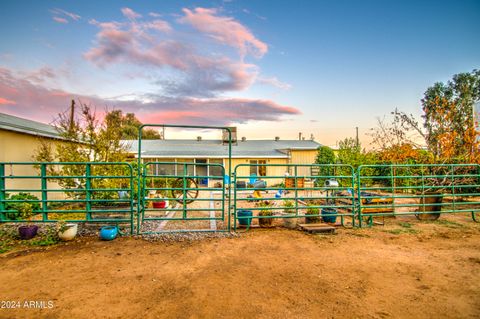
x=407 y=269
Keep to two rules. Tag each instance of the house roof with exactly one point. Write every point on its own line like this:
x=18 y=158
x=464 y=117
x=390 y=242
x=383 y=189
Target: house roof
x=216 y=149
x=21 y=125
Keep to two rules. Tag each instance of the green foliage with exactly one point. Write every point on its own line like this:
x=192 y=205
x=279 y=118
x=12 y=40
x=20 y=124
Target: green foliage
x=25 y=210
x=325 y=155
x=9 y=238
x=288 y=206
x=312 y=211
x=266 y=211
x=350 y=152
x=448 y=117
x=129 y=126
x=47 y=238
x=17 y=207
x=87 y=140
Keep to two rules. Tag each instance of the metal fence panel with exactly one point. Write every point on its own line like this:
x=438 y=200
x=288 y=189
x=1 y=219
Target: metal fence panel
x=423 y=190
x=91 y=192
x=293 y=192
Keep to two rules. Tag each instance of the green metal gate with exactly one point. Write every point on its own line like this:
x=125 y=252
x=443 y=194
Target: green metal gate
x=173 y=200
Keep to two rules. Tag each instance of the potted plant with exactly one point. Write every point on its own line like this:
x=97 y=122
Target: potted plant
x=288 y=211
x=314 y=211
x=26 y=212
x=265 y=212
x=66 y=231
x=108 y=232
x=430 y=205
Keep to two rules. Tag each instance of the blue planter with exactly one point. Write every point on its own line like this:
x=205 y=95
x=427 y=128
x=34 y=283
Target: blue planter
x=244 y=217
x=108 y=232
x=329 y=215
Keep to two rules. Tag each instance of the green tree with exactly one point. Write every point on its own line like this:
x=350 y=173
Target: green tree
x=448 y=117
x=86 y=139
x=325 y=155
x=129 y=125
x=350 y=152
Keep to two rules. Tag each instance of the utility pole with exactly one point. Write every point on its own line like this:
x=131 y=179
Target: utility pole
x=357 y=140
x=72 y=116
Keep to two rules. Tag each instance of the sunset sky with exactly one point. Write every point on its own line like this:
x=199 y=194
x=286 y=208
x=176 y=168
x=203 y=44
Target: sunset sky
x=272 y=68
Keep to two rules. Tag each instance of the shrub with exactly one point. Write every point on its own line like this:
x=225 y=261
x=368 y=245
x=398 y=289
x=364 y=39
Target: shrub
x=15 y=207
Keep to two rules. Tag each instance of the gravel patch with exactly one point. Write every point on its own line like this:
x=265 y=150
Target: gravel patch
x=186 y=237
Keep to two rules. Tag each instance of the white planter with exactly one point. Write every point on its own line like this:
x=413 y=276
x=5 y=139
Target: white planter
x=290 y=223
x=69 y=233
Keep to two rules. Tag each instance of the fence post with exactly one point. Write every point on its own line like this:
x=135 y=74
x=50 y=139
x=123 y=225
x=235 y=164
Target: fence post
x=393 y=174
x=359 y=197
x=2 y=191
x=43 y=175
x=354 y=213
x=88 y=194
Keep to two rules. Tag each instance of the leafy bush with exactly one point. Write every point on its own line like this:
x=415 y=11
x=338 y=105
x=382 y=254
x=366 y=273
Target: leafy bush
x=15 y=207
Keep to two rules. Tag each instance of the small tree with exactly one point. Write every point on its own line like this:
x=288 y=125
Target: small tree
x=325 y=155
x=350 y=152
x=86 y=139
x=449 y=122
x=129 y=126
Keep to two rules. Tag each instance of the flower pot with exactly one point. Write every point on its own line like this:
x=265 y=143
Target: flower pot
x=244 y=217
x=159 y=204
x=69 y=233
x=28 y=231
x=108 y=232
x=329 y=215
x=430 y=202
x=312 y=219
x=265 y=222
x=290 y=223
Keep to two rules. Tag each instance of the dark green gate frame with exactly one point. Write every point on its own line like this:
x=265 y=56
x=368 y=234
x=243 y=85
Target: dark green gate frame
x=88 y=193
x=142 y=173
x=395 y=190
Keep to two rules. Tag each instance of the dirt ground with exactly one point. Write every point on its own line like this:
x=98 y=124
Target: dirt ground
x=407 y=269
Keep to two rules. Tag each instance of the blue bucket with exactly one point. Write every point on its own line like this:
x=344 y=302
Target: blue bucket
x=329 y=215
x=108 y=232
x=244 y=217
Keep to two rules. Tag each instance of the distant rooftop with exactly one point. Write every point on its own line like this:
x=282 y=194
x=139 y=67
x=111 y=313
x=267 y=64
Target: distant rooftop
x=217 y=149
x=21 y=125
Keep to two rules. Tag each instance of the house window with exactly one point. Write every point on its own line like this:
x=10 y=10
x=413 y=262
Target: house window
x=215 y=170
x=165 y=169
x=181 y=167
x=260 y=170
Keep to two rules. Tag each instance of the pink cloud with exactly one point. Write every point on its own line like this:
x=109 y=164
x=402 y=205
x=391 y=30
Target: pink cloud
x=41 y=74
x=200 y=75
x=60 y=20
x=59 y=13
x=158 y=25
x=39 y=103
x=129 y=13
x=225 y=30
x=275 y=82
x=5 y=101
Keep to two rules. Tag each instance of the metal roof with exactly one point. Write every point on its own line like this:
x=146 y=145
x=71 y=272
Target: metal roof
x=216 y=149
x=20 y=125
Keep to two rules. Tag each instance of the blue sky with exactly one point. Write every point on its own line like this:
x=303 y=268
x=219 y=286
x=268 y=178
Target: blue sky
x=271 y=68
